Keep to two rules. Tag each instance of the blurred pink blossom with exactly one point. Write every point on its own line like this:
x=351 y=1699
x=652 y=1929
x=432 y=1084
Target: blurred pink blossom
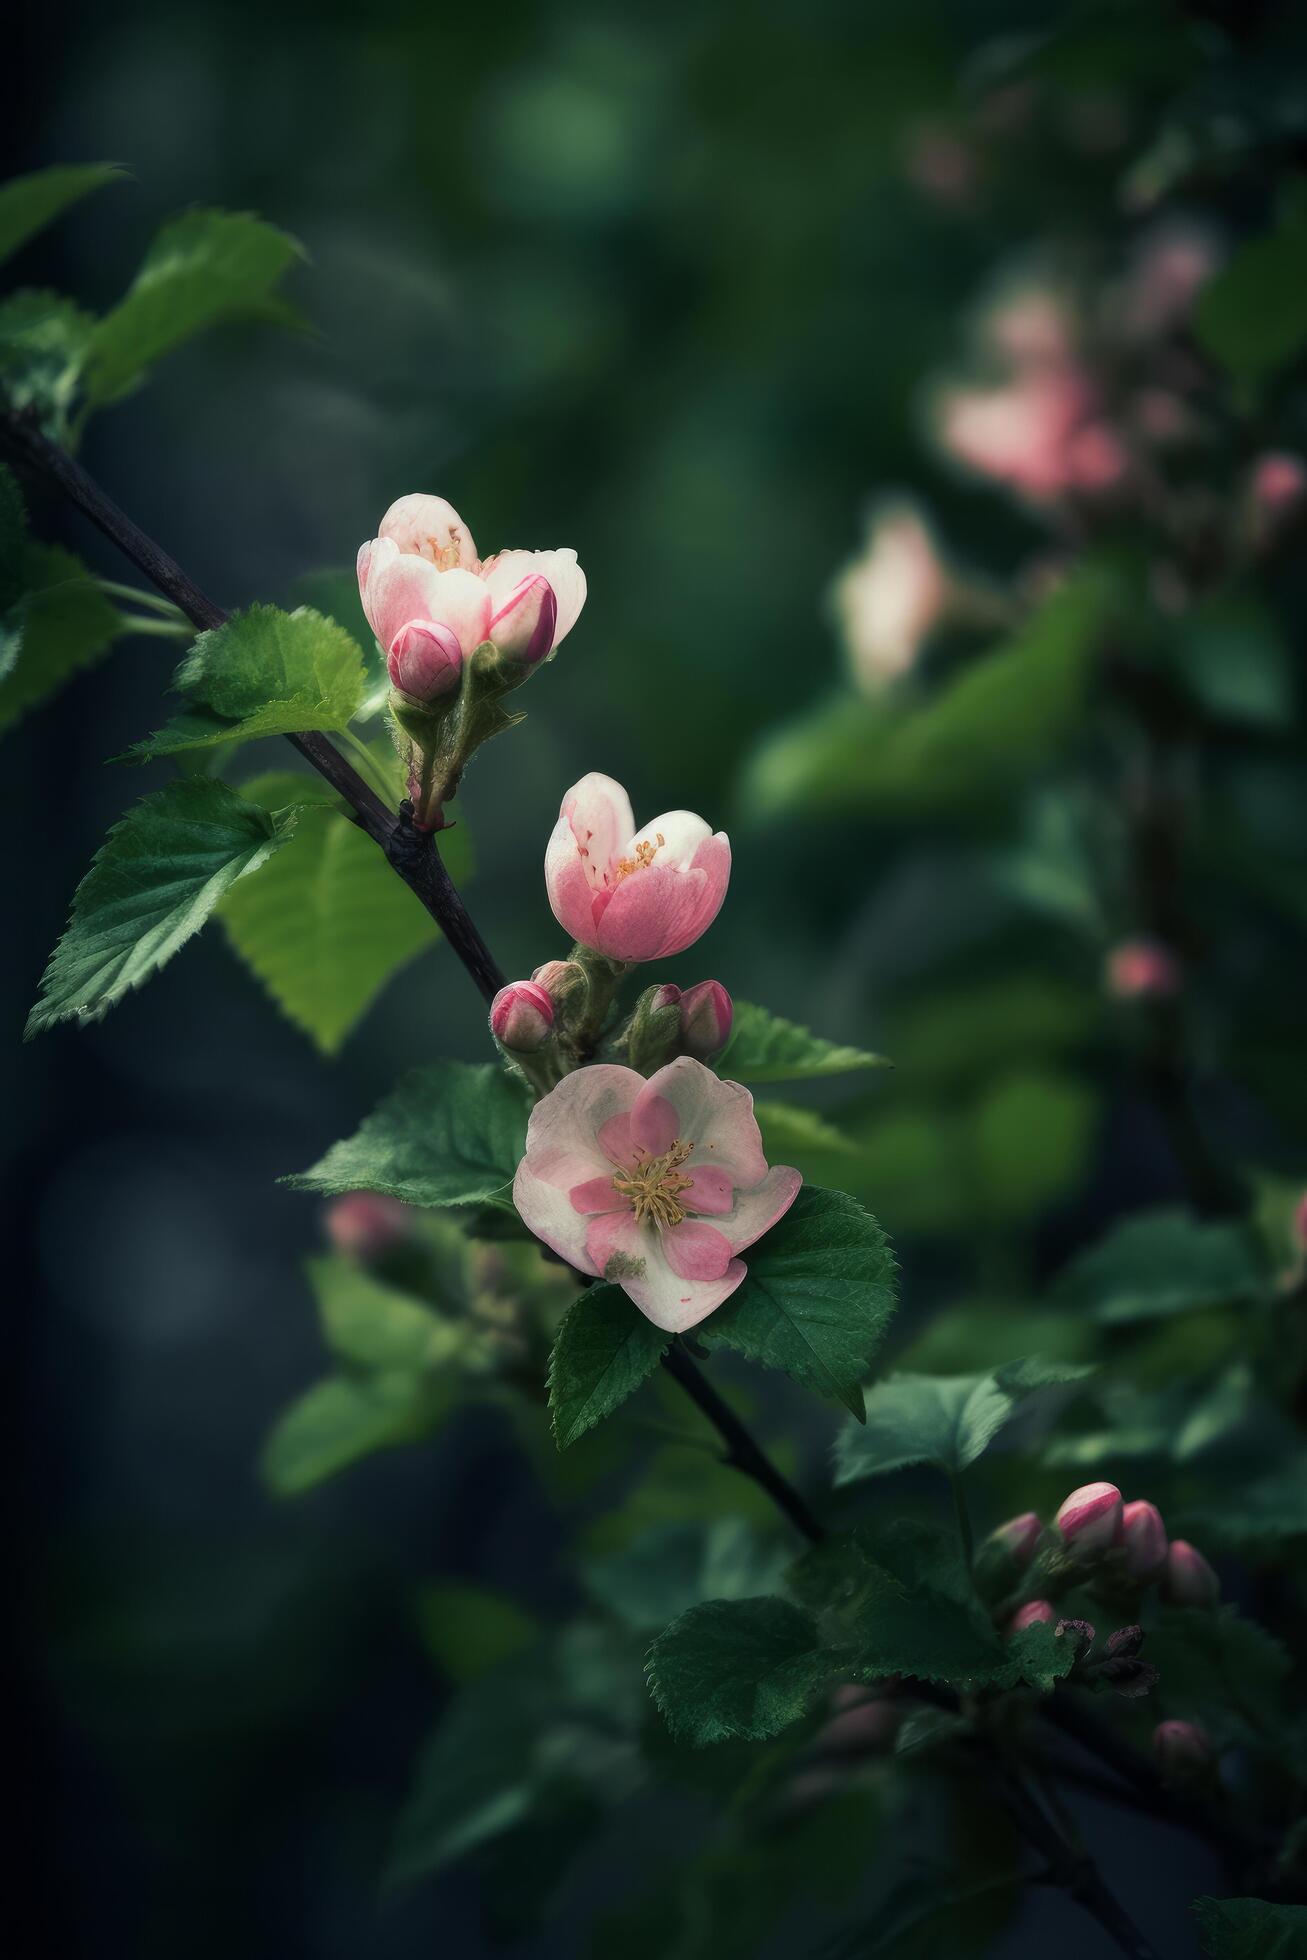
x=1143 y=969
x=891 y=598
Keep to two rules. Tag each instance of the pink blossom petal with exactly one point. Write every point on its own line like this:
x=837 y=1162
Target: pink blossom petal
x=672 y=1302
x=548 y=1212
x=563 y=1136
x=597 y=1194
x=756 y=1211
x=615 y=1240
x=716 y=1116
x=711 y=1189
x=654 y=912
x=653 y=1123
x=615 y=1140
x=428 y=527
x=695 y=1251
x=508 y=568
x=682 y=833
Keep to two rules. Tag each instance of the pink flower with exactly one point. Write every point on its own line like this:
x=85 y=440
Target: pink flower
x=656 y=1184
x=1036 y=1612
x=1090 y=1519
x=431 y=600
x=1143 y=969
x=892 y=597
x=633 y=895
x=521 y=1016
x=1189 y=1580
x=1144 y=1536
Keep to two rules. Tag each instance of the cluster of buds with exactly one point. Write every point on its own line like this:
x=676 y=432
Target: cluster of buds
x=563 y=1004
x=666 y=1022
x=458 y=633
x=1118 y=1549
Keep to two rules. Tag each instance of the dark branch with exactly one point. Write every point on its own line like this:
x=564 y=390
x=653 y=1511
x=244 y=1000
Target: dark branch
x=411 y=852
x=742 y=1452
x=1072 y=1870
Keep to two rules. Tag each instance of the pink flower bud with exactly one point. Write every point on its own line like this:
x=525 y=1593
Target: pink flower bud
x=521 y=1016
x=1090 y=1519
x=1035 y=1612
x=562 y=980
x=1144 y=1536
x=1189 y=1579
x=1184 y=1751
x=706 y=1016
x=1143 y=969
x=424 y=660
x=1278 y=482
x=523 y=628
x=1017 y=1538
x=364 y=1225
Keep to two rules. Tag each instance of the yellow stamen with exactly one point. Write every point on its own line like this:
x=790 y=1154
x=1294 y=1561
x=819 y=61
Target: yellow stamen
x=645 y=853
x=654 y=1184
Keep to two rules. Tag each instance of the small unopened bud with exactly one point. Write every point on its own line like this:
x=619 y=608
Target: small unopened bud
x=1079 y=1636
x=425 y=660
x=1017 y=1538
x=654 y=1029
x=706 y=1016
x=365 y=1225
x=1184 y=1752
x=1035 y=1612
x=1189 y=1580
x=523 y=629
x=1143 y=1536
x=521 y=1017
x=1143 y=969
x=1090 y=1519
x=1125 y=1643
x=563 y=980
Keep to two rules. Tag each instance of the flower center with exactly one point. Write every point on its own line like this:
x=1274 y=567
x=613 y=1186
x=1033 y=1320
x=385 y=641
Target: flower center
x=654 y=1184
x=643 y=857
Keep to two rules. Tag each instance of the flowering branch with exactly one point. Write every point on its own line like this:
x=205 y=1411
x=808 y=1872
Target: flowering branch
x=411 y=852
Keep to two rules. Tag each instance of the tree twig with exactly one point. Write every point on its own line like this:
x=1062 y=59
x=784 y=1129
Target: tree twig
x=742 y=1452
x=411 y=852
x=1073 y=1871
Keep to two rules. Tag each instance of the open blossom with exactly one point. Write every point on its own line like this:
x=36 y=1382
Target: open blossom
x=431 y=600
x=633 y=894
x=892 y=597
x=656 y=1184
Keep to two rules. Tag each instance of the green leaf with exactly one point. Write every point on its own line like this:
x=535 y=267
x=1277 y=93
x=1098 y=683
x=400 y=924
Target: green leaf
x=43 y=340
x=817 y=1299
x=61 y=624
x=377 y=1326
x=326 y=924
x=336 y=595
x=603 y=1350
x=947 y=1420
x=743 y=1667
x=448 y=1134
x=470 y=1629
x=202 y=268
x=264 y=672
x=1160 y=1263
x=29 y=204
x=1223 y=1670
x=681 y=1563
x=764 y=1048
x=340 y=1420
x=153 y=883
x=1251 y=1929
x=1253 y=315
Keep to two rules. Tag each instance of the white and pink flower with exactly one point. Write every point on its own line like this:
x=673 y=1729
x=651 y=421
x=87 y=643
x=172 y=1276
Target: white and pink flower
x=431 y=601
x=658 y=1185
x=633 y=894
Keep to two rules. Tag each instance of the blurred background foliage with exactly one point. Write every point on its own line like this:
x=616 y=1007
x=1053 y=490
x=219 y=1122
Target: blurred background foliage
x=680 y=292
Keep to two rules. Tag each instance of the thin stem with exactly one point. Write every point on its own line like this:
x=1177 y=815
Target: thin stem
x=137 y=595
x=367 y=763
x=742 y=1452
x=1073 y=1871
x=410 y=852
x=161 y=629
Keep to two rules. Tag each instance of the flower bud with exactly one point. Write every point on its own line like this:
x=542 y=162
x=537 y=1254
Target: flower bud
x=706 y=1017
x=1017 y=1538
x=1035 y=1612
x=654 y=1028
x=563 y=980
x=1143 y=969
x=521 y=1017
x=1125 y=1643
x=1189 y=1580
x=523 y=629
x=1184 y=1752
x=1143 y=1536
x=365 y=1226
x=1090 y=1519
x=425 y=660
x=1079 y=1636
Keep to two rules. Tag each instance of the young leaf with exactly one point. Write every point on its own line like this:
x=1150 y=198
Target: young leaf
x=1160 y=1263
x=377 y=1326
x=1253 y=315
x=818 y=1296
x=603 y=1350
x=764 y=1048
x=43 y=339
x=739 y=1667
x=61 y=624
x=343 y=1418
x=448 y=1134
x=29 y=204
x=203 y=267
x=327 y=923
x=1251 y=1929
x=947 y=1420
x=264 y=672
x=468 y=1629
x=153 y=883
